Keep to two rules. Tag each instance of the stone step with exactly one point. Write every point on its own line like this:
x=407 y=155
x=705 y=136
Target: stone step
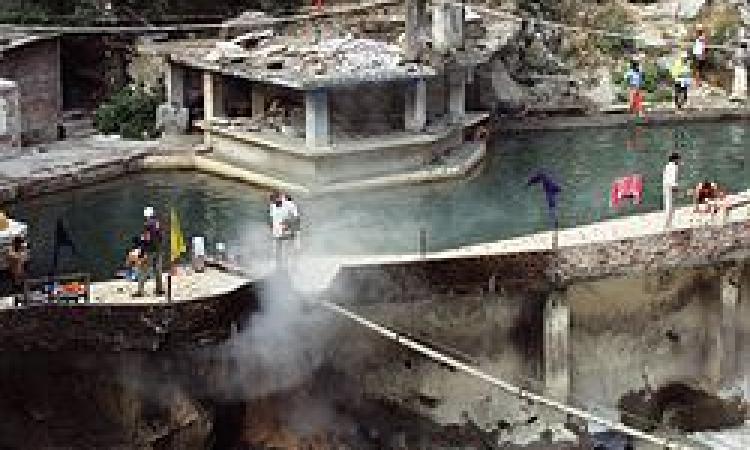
x=83 y=127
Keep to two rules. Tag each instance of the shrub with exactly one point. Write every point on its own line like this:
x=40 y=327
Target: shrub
x=131 y=113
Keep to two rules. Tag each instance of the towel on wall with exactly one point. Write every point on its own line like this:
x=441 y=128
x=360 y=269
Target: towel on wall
x=630 y=186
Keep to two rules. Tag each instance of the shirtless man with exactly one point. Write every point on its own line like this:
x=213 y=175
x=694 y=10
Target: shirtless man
x=709 y=194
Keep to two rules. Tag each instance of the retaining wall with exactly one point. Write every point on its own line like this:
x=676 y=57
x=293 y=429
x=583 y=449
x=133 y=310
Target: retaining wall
x=679 y=248
x=417 y=280
x=112 y=327
x=69 y=178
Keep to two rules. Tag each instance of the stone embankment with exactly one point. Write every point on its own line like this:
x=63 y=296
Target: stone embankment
x=67 y=164
x=681 y=248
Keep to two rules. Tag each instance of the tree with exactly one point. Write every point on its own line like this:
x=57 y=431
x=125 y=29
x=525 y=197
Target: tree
x=131 y=113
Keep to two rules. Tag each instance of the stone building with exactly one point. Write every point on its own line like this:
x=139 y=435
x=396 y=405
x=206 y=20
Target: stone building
x=31 y=96
x=327 y=102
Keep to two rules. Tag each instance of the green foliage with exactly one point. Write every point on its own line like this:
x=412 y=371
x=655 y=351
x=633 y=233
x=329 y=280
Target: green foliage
x=131 y=113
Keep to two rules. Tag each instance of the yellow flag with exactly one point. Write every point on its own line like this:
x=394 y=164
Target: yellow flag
x=176 y=237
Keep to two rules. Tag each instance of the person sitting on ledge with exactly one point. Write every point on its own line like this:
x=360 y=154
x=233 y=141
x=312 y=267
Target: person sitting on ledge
x=708 y=193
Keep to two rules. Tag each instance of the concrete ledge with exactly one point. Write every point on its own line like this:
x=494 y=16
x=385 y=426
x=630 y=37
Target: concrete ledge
x=469 y=157
x=213 y=167
x=618 y=120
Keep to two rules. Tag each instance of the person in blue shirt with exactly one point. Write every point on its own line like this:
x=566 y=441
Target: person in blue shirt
x=634 y=78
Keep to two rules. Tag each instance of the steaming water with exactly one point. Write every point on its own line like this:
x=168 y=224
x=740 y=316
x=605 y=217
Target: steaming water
x=494 y=204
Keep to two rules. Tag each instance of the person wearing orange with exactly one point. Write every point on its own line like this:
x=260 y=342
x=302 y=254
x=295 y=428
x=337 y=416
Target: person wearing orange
x=634 y=78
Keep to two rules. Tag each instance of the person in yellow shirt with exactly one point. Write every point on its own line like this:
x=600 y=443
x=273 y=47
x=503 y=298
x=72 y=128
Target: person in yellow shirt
x=680 y=72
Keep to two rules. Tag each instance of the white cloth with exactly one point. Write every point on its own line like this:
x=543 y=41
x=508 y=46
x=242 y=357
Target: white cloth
x=669 y=178
x=290 y=207
x=699 y=46
x=279 y=215
x=199 y=246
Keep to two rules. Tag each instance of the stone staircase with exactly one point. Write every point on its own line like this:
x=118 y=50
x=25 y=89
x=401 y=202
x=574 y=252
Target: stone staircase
x=78 y=124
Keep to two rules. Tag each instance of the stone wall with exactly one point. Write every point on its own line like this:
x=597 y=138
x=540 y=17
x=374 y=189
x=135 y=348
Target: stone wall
x=102 y=327
x=420 y=278
x=331 y=167
x=48 y=182
x=413 y=280
x=680 y=248
x=36 y=69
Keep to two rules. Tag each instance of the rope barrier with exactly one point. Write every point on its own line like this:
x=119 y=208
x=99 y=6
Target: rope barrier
x=505 y=386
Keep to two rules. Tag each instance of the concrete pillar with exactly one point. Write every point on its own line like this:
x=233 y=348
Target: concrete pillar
x=258 y=101
x=316 y=119
x=739 y=85
x=411 y=35
x=213 y=95
x=457 y=13
x=722 y=331
x=441 y=39
x=175 y=85
x=555 y=343
x=730 y=297
x=416 y=105
x=10 y=112
x=457 y=95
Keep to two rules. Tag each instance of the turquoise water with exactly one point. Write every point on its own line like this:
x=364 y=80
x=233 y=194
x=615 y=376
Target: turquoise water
x=494 y=203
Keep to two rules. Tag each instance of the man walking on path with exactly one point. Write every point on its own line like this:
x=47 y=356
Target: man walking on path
x=669 y=185
x=699 y=55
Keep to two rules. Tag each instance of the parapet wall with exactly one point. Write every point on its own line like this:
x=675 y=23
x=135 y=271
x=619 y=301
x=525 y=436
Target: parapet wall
x=679 y=248
x=419 y=279
x=149 y=327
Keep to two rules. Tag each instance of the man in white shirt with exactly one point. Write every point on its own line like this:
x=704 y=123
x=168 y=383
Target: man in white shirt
x=277 y=214
x=293 y=219
x=669 y=184
x=699 y=55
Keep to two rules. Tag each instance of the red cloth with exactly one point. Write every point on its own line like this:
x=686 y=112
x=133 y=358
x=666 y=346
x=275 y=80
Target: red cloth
x=630 y=186
x=637 y=102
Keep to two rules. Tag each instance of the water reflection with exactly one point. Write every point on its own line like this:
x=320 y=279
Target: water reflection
x=493 y=204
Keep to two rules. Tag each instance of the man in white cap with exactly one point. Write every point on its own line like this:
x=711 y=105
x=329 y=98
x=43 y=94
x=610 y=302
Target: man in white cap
x=152 y=245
